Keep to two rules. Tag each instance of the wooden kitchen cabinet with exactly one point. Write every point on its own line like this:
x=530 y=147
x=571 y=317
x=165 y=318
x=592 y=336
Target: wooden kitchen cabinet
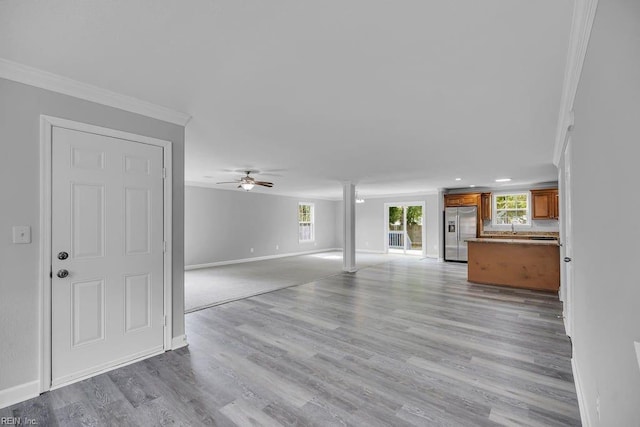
x=461 y=199
x=545 y=204
x=516 y=263
x=485 y=206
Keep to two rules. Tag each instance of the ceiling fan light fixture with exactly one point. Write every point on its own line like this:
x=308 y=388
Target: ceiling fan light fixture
x=248 y=182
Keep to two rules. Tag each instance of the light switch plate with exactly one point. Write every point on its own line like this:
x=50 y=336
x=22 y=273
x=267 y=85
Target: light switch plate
x=21 y=234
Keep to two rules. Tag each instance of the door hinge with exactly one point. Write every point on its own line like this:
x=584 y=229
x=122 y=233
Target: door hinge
x=164 y=246
x=164 y=320
x=164 y=173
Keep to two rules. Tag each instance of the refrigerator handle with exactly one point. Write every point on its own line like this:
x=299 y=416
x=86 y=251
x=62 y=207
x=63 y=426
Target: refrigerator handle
x=458 y=227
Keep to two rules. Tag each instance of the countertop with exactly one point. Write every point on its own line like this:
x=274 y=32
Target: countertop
x=516 y=235
x=516 y=241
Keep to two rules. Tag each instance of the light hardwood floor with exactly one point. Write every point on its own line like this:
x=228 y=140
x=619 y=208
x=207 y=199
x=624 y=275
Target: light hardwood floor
x=406 y=343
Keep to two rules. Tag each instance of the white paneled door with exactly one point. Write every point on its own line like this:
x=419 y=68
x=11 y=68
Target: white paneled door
x=107 y=252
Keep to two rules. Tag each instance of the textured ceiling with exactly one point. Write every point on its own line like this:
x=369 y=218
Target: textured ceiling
x=400 y=97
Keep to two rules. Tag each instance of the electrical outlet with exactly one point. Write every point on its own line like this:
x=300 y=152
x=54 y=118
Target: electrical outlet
x=277 y=247
x=251 y=250
x=21 y=234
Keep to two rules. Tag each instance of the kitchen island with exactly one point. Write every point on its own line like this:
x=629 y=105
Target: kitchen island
x=519 y=263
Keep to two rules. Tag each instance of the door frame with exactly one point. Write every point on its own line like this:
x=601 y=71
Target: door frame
x=424 y=224
x=47 y=123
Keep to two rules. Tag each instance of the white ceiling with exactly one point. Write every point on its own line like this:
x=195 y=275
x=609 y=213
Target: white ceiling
x=399 y=96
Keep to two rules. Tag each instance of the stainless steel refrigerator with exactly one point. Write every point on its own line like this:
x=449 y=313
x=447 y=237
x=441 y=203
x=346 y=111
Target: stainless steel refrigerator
x=459 y=225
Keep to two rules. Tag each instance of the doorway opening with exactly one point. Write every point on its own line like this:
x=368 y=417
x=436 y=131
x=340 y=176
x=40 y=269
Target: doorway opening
x=405 y=232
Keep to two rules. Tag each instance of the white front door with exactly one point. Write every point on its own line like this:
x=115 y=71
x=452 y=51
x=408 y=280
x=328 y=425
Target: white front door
x=567 y=241
x=107 y=233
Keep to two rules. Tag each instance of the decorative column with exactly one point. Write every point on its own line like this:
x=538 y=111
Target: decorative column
x=441 y=225
x=349 y=221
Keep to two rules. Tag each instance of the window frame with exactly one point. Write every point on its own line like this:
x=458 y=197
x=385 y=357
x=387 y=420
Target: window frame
x=494 y=208
x=312 y=222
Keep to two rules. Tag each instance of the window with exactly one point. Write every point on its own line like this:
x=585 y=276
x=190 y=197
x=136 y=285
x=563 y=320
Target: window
x=305 y=222
x=511 y=209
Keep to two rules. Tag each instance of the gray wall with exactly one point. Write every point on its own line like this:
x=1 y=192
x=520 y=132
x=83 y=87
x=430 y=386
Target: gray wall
x=605 y=206
x=370 y=224
x=20 y=110
x=222 y=225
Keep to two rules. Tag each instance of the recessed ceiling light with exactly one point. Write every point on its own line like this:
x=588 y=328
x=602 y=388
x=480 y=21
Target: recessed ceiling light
x=458 y=179
x=472 y=185
x=503 y=179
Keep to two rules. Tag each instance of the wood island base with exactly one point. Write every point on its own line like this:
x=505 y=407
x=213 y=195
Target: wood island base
x=515 y=263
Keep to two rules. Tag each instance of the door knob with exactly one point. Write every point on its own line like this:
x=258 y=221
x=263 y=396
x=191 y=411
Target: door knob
x=63 y=255
x=567 y=259
x=62 y=273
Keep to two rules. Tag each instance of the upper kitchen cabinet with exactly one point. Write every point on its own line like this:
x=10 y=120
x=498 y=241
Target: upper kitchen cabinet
x=461 y=200
x=485 y=206
x=544 y=204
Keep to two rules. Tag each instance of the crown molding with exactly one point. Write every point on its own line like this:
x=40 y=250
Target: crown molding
x=45 y=80
x=400 y=195
x=266 y=192
x=583 y=15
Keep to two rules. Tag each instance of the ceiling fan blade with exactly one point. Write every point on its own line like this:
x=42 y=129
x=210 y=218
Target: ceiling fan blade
x=264 y=183
x=228 y=182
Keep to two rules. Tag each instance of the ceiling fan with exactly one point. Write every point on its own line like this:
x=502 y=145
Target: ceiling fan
x=247 y=182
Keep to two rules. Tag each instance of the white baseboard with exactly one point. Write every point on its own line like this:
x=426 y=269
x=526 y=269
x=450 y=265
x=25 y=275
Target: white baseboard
x=26 y=391
x=582 y=403
x=19 y=393
x=259 y=258
x=371 y=251
x=179 y=342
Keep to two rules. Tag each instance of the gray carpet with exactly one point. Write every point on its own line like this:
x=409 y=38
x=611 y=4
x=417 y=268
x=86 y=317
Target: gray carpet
x=207 y=287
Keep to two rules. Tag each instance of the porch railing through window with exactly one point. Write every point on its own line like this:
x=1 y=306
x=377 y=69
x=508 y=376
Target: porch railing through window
x=397 y=240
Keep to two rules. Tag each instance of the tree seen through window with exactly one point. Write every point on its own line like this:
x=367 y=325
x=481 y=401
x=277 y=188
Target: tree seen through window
x=511 y=208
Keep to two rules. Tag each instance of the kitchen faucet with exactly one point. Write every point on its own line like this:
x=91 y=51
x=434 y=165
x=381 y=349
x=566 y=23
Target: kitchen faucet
x=513 y=227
